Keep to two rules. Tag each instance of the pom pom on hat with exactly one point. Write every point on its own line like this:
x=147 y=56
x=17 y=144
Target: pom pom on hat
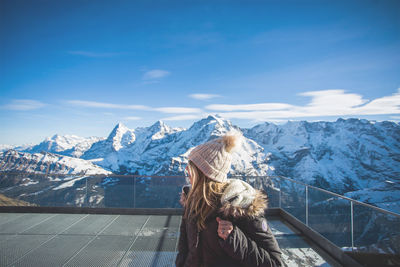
x=229 y=141
x=214 y=157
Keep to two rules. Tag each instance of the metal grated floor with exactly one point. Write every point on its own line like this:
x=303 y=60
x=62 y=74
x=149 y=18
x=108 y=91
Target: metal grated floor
x=87 y=240
x=34 y=239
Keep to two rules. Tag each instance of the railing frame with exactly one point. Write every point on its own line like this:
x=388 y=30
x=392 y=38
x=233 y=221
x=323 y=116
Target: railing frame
x=334 y=194
x=279 y=183
x=306 y=186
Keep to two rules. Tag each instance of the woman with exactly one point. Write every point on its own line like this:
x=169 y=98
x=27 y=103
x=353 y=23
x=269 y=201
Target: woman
x=223 y=223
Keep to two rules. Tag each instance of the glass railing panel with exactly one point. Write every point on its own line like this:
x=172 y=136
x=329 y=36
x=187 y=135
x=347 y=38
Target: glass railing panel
x=27 y=189
x=67 y=191
x=375 y=231
x=158 y=192
x=293 y=199
x=96 y=191
x=273 y=192
x=110 y=192
x=330 y=216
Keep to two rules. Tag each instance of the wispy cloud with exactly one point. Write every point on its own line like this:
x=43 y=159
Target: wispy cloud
x=23 y=104
x=183 y=117
x=178 y=110
x=132 y=118
x=323 y=103
x=155 y=74
x=93 y=54
x=203 y=96
x=171 y=110
x=249 y=107
x=93 y=104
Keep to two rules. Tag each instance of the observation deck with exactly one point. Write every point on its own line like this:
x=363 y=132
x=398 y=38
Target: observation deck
x=134 y=221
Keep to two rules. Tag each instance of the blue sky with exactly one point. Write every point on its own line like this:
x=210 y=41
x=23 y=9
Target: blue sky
x=79 y=67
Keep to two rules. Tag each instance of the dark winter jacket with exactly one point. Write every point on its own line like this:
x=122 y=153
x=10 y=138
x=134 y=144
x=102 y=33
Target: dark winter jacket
x=251 y=242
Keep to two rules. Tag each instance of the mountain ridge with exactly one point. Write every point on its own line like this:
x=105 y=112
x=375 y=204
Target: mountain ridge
x=345 y=156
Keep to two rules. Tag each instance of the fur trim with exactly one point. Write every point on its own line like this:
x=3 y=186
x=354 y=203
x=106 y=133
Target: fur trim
x=257 y=208
x=241 y=200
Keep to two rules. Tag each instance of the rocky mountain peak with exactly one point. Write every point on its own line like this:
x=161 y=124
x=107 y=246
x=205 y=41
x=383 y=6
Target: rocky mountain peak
x=158 y=126
x=119 y=129
x=121 y=136
x=54 y=137
x=213 y=124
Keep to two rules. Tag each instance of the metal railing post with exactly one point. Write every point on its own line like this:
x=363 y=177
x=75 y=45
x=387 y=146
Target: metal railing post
x=352 y=224
x=86 y=194
x=307 y=205
x=134 y=192
x=280 y=193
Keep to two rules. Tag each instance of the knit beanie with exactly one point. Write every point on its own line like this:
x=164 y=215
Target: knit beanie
x=214 y=157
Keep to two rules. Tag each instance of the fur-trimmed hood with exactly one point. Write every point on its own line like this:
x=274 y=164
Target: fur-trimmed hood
x=241 y=200
x=238 y=200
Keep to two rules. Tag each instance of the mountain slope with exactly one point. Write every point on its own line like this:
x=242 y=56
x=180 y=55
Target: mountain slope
x=68 y=145
x=357 y=158
x=342 y=155
x=47 y=163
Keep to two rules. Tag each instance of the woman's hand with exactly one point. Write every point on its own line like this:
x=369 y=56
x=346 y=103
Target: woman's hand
x=224 y=228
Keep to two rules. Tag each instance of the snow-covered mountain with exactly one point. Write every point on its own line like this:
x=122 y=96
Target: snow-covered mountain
x=119 y=137
x=342 y=155
x=6 y=147
x=347 y=156
x=15 y=147
x=358 y=158
x=46 y=163
x=68 y=145
x=161 y=150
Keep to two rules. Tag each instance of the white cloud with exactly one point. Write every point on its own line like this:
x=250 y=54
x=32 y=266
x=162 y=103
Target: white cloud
x=203 y=96
x=132 y=118
x=249 y=107
x=183 y=117
x=24 y=104
x=323 y=103
x=155 y=74
x=333 y=101
x=178 y=110
x=383 y=105
x=171 y=110
x=93 y=104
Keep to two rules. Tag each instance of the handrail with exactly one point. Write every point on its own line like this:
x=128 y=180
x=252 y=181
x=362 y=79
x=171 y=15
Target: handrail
x=328 y=192
x=95 y=175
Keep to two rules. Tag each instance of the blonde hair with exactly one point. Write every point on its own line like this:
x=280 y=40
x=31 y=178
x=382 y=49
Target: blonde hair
x=203 y=198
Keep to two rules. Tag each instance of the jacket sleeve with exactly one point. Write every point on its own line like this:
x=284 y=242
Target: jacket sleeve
x=182 y=245
x=256 y=247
